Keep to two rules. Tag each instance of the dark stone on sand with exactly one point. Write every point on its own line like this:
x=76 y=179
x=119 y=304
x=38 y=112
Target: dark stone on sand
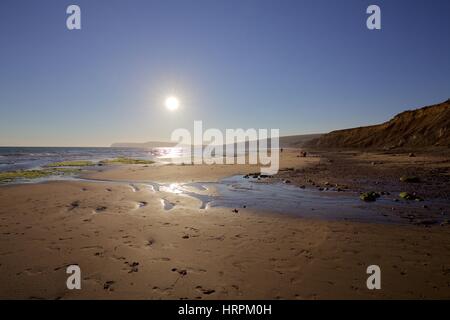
x=410 y=196
x=369 y=196
x=410 y=179
x=426 y=222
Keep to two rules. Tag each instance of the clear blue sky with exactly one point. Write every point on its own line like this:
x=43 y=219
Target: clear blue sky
x=301 y=66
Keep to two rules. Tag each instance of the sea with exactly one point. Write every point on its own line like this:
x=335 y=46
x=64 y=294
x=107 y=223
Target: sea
x=25 y=158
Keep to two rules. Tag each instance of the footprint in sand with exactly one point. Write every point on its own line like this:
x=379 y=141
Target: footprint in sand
x=167 y=205
x=142 y=204
x=181 y=272
x=205 y=291
x=108 y=285
x=134 y=188
x=133 y=266
x=100 y=209
x=74 y=205
x=150 y=242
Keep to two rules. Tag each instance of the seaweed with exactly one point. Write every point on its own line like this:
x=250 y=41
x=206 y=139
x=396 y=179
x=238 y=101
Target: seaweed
x=124 y=160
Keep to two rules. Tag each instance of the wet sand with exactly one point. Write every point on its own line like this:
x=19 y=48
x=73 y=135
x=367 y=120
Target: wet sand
x=135 y=242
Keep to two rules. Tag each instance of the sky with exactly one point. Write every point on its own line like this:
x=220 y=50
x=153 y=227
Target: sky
x=298 y=66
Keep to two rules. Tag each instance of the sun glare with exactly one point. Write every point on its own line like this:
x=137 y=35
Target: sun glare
x=172 y=103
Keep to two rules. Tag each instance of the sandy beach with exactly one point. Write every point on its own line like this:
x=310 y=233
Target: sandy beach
x=130 y=246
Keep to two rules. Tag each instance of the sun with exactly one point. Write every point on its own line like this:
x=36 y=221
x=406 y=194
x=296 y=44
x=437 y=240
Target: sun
x=172 y=103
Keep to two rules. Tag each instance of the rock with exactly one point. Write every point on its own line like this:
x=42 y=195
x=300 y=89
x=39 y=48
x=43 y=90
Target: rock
x=411 y=155
x=409 y=196
x=286 y=181
x=369 y=196
x=302 y=186
x=409 y=179
x=426 y=222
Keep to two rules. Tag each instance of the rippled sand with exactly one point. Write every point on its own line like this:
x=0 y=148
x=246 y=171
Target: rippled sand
x=132 y=241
